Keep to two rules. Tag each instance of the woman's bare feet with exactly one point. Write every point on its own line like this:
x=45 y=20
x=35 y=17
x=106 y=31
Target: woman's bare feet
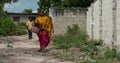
x=40 y=50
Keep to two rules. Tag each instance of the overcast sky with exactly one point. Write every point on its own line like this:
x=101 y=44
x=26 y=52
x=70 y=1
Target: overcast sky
x=21 y=5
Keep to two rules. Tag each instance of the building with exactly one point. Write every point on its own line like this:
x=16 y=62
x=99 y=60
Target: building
x=20 y=16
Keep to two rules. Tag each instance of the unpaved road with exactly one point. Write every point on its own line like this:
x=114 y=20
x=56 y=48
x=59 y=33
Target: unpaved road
x=24 y=51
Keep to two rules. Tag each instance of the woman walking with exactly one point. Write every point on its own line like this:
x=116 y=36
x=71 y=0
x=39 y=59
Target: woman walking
x=46 y=30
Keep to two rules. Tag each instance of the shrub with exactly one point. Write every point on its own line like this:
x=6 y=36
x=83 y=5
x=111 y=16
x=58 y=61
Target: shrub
x=74 y=30
x=118 y=56
x=110 y=53
x=67 y=40
x=3 y=32
x=22 y=25
x=8 y=27
x=21 y=32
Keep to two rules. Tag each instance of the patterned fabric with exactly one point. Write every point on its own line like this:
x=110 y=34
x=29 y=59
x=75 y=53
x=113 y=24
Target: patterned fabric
x=45 y=23
x=44 y=39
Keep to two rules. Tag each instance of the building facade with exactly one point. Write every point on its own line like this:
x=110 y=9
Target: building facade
x=17 y=17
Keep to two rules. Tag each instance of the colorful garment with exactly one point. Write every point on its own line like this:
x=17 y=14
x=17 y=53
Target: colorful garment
x=46 y=29
x=45 y=24
x=44 y=39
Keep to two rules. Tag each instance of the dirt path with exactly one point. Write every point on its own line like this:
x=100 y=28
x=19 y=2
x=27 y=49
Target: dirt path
x=24 y=51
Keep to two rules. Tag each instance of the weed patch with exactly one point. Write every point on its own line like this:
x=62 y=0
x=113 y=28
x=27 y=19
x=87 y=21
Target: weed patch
x=84 y=50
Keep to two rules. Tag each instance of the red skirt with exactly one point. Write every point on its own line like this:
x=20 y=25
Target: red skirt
x=44 y=39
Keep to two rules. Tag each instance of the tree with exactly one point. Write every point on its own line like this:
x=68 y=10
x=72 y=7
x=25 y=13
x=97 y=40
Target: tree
x=27 y=11
x=2 y=3
x=76 y=3
x=46 y=4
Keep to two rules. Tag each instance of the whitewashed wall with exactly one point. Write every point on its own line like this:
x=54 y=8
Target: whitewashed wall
x=118 y=23
x=96 y=20
x=105 y=17
x=93 y=21
x=107 y=21
x=89 y=22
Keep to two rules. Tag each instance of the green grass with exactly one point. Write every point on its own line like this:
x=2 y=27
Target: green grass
x=76 y=38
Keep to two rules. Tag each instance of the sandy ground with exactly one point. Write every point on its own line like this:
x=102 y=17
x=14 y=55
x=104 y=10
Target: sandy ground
x=24 y=51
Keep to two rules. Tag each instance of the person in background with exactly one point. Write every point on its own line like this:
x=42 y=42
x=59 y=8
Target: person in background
x=46 y=29
x=29 y=27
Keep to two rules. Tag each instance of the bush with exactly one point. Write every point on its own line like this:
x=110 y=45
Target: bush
x=118 y=56
x=3 y=32
x=74 y=30
x=8 y=27
x=21 y=32
x=110 y=53
x=22 y=25
x=75 y=37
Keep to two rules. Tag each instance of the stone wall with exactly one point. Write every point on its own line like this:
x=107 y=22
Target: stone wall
x=63 y=17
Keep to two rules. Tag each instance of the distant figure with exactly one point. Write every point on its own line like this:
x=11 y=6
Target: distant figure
x=29 y=27
x=46 y=30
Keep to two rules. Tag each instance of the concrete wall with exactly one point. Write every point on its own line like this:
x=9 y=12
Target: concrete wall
x=89 y=22
x=96 y=20
x=93 y=18
x=63 y=17
x=118 y=23
x=103 y=21
x=107 y=21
